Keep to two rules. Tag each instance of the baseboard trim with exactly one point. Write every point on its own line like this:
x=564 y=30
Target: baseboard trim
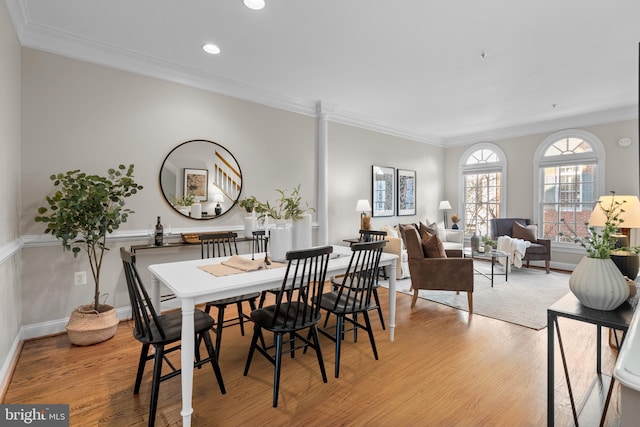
x=9 y=365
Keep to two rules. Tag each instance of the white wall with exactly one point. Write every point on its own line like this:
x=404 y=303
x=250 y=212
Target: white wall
x=10 y=302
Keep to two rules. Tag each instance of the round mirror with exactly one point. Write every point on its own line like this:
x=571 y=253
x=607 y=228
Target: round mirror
x=201 y=179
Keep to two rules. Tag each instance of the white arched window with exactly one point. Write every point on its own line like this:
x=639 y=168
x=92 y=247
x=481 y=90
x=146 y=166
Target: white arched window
x=569 y=168
x=482 y=168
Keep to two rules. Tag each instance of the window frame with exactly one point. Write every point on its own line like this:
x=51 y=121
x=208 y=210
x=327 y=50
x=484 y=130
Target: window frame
x=540 y=162
x=479 y=168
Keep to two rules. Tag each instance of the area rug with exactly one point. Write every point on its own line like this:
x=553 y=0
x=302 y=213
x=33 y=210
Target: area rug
x=522 y=300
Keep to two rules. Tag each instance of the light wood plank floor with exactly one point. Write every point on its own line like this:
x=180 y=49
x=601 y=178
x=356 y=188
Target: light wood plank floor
x=444 y=369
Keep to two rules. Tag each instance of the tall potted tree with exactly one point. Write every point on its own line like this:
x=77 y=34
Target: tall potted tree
x=82 y=210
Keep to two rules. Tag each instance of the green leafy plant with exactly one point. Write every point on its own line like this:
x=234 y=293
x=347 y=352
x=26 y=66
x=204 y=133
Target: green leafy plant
x=601 y=243
x=249 y=203
x=84 y=209
x=288 y=206
x=489 y=241
x=186 y=200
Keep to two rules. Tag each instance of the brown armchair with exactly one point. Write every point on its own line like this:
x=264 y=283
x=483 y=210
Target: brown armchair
x=540 y=249
x=441 y=274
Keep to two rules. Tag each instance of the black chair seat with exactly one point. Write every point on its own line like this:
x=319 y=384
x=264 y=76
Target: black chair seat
x=171 y=325
x=341 y=304
x=289 y=317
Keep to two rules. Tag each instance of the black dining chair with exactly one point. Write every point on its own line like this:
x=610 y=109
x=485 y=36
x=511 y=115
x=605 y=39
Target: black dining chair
x=374 y=236
x=297 y=308
x=214 y=245
x=162 y=331
x=353 y=295
x=259 y=243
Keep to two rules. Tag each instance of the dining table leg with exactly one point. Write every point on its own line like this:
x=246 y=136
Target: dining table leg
x=186 y=359
x=392 y=300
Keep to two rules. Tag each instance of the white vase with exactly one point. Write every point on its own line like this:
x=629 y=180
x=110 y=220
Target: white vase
x=280 y=242
x=599 y=284
x=249 y=226
x=301 y=230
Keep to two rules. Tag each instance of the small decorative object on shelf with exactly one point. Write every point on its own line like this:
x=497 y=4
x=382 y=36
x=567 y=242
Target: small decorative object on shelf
x=159 y=233
x=455 y=219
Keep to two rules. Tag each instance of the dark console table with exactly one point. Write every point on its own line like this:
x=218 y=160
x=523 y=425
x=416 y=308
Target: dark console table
x=596 y=403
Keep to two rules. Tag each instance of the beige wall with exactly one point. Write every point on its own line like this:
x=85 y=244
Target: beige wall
x=93 y=118
x=352 y=152
x=10 y=302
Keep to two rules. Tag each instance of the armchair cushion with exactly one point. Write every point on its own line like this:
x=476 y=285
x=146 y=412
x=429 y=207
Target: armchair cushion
x=432 y=247
x=528 y=232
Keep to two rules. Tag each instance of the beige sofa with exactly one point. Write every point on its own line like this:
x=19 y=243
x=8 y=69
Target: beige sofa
x=453 y=241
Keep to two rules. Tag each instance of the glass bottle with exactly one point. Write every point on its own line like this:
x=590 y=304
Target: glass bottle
x=159 y=233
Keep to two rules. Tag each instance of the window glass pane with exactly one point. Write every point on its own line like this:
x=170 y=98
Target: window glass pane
x=568 y=146
x=482 y=200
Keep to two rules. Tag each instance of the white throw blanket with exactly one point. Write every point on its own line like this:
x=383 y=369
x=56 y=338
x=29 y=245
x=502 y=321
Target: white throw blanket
x=515 y=248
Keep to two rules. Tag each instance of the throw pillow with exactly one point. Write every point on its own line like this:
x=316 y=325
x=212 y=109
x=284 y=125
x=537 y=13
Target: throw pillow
x=432 y=229
x=432 y=246
x=391 y=232
x=528 y=232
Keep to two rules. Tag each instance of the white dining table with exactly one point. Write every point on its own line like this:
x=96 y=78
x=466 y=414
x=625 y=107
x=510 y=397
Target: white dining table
x=192 y=286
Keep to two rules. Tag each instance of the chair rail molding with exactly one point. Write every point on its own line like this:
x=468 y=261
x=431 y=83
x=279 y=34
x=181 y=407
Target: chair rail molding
x=8 y=250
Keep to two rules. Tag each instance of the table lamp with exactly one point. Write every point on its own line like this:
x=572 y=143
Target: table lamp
x=444 y=206
x=627 y=262
x=218 y=198
x=363 y=206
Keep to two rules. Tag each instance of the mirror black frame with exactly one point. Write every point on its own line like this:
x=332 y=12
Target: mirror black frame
x=207 y=175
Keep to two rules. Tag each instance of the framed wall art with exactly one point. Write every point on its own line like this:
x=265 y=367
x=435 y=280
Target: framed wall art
x=406 y=192
x=195 y=184
x=383 y=190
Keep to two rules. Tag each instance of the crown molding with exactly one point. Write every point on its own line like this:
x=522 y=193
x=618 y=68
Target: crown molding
x=628 y=112
x=62 y=43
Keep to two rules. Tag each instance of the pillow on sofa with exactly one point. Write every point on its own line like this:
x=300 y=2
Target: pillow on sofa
x=391 y=232
x=528 y=232
x=432 y=246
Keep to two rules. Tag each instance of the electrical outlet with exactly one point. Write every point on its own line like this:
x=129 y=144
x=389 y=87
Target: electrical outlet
x=80 y=278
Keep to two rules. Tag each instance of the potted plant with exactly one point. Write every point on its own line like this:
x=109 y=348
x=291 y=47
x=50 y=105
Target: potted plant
x=183 y=203
x=596 y=281
x=489 y=243
x=81 y=212
x=249 y=205
x=292 y=222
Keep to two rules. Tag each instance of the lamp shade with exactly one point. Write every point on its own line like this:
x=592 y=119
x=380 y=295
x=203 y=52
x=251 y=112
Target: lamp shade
x=363 y=205
x=630 y=216
x=218 y=198
x=444 y=205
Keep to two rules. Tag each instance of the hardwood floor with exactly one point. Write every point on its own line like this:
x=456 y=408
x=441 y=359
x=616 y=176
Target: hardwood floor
x=443 y=369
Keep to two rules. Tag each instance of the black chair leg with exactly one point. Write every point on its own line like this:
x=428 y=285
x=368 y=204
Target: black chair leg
x=276 y=373
x=377 y=299
x=144 y=353
x=339 y=338
x=155 y=385
x=370 y=331
x=252 y=347
x=316 y=344
x=240 y=317
x=219 y=328
x=214 y=360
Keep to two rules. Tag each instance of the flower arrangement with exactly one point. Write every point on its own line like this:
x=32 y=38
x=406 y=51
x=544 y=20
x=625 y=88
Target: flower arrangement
x=601 y=241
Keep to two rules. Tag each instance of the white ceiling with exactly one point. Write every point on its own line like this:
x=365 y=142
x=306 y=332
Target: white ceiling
x=407 y=67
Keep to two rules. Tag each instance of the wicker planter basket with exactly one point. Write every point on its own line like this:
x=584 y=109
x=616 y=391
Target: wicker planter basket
x=86 y=327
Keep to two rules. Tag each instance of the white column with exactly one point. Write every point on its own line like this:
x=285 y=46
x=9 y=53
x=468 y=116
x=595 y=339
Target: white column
x=323 y=173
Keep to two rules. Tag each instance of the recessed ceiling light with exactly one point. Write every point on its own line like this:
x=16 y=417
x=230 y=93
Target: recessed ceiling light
x=211 y=48
x=254 y=4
